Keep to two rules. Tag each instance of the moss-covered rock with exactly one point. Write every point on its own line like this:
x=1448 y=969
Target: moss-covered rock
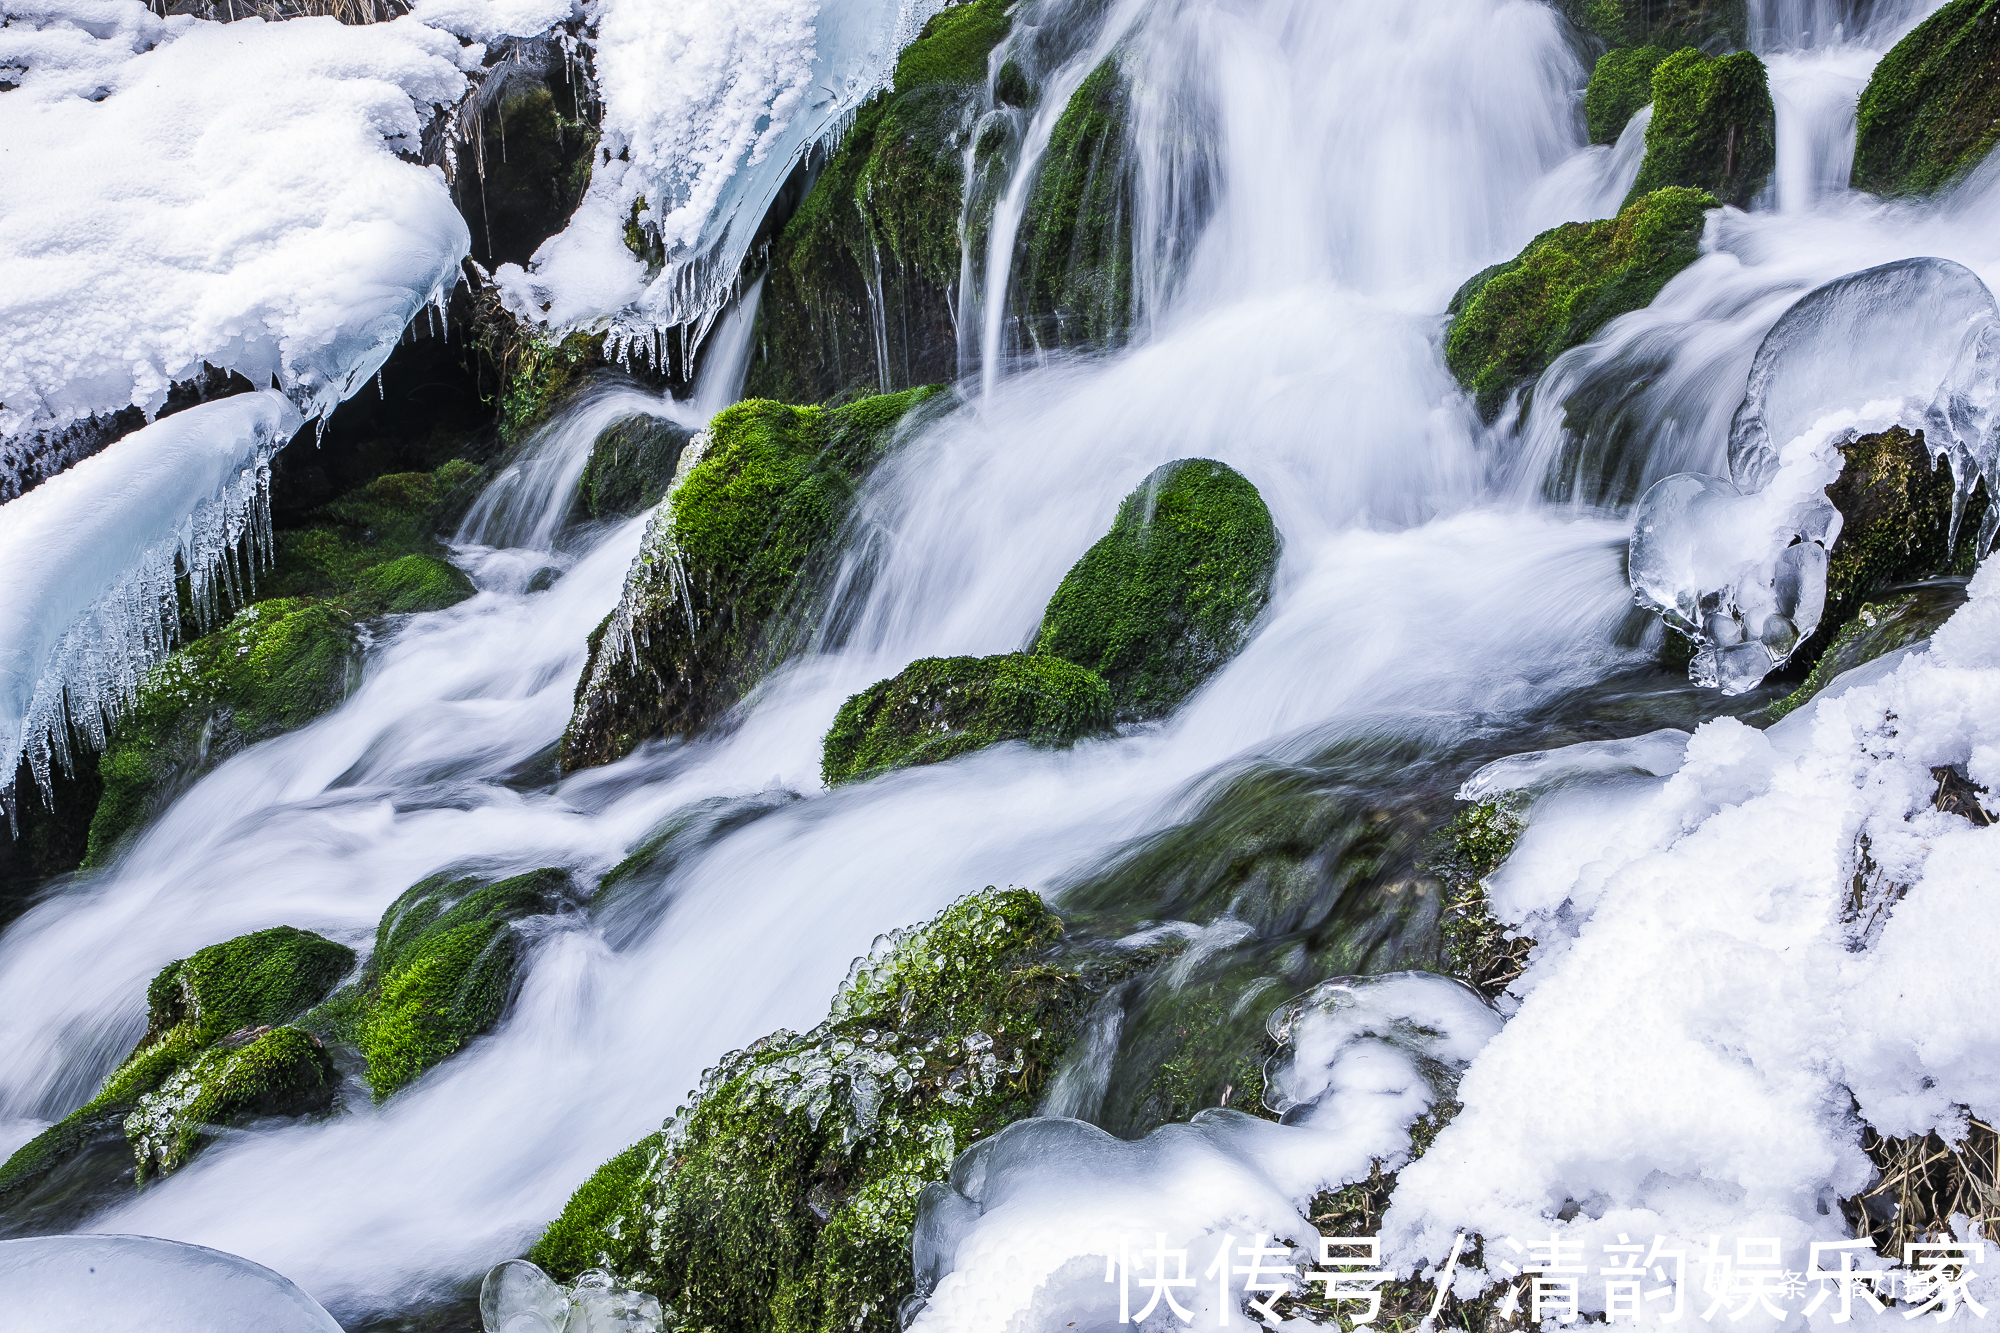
x=1713 y=127
x=445 y=959
x=1931 y=111
x=940 y=707
x=1620 y=83
x=1075 y=248
x=1169 y=594
x=536 y=374
x=414 y=583
x=203 y=1013
x=630 y=467
x=388 y=518
x=1877 y=629
x=860 y=293
x=1510 y=321
x=1710 y=24
x=785 y=1196
x=1477 y=948
x=729 y=578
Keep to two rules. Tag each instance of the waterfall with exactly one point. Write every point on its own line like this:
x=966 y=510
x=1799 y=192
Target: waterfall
x=1313 y=180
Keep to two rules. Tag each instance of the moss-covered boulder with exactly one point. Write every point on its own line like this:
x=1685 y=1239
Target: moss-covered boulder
x=1931 y=111
x=1620 y=83
x=1713 y=127
x=940 y=707
x=211 y=1055
x=730 y=576
x=1075 y=250
x=860 y=295
x=390 y=517
x=445 y=960
x=1877 y=629
x=1169 y=594
x=1510 y=321
x=631 y=465
x=414 y=583
x=785 y=1196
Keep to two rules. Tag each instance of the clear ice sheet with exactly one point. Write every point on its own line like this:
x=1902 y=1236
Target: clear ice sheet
x=60 y=1284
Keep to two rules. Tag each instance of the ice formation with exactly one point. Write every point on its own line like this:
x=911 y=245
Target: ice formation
x=90 y=560
x=1033 y=1220
x=1738 y=564
x=163 y=1286
x=707 y=108
x=1656 y=754
x=518 y=1297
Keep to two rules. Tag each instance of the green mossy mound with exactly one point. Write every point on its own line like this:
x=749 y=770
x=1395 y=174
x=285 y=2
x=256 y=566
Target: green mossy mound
x=1713 y=128
x=730 y=577
x=444 y=964
x=1477 y=948
x=859 y=294
x=1877 y=629
x=1711 y=24
x=204 y=1012
x=631 y=465
x=1510 y=321
x=941 y=707
x=1931 y=111
x=1169 y=594
x=283 y=661
x=1076 y=251
x=1620 y=83
x=785 y=1195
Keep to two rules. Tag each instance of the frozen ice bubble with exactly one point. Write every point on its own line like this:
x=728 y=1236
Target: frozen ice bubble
x=602 y=1304
x=56 y=1284
x=518 y=1297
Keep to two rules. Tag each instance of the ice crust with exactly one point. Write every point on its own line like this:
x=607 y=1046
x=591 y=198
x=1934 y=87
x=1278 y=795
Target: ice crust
x=708 y=105
x=518 y=1297
x=69 y=1284
x=1021 y=1237
x=1738 y=563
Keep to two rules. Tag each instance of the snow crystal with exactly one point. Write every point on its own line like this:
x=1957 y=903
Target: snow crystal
x=88 y=563
x=708 y=105
x=162 y=1286
x=159 y=217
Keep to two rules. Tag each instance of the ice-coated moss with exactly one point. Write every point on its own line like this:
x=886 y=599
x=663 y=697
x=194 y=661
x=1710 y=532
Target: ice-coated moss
x=1510 y=321
x=415 y=583
x=275 y=1072
x=940 y=707
x=784 y=1196
x=860 y=293
x=1077 y=259
x=1169 y=594
x=1931 y=110
x=1876 y=629
x=729 y=577
x=444 y=963
x=1620 y=83
x=239 y=986
x=1713 y=127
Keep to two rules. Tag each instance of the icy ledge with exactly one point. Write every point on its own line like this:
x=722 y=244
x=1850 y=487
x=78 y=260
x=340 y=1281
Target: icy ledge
x=88 y=562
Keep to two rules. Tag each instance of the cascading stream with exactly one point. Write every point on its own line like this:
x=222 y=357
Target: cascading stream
x=1367 y=160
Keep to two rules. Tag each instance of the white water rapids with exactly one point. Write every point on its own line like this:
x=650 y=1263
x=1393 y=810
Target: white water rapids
x=1363 y=160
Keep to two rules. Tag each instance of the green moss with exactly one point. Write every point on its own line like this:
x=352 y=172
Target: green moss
x=859 y=295
x=444 y=963
x=415 y=583
x=940 y=707
x=1168 y=595
x=1931 y=110
x=1620 y=84
x=280 y=1072
x=1713 y=128
x=1078 y=261
x=729 y=579
x=1876 y=629
x=1478 y=949
x=236 y=987
x=784 y=1197
x=536 y=375
x=1512 y=320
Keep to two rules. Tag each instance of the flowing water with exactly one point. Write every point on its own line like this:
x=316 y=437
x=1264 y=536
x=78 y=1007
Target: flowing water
x=1314 y=178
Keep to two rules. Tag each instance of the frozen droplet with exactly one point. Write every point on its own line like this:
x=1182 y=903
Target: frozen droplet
x=518 y=1297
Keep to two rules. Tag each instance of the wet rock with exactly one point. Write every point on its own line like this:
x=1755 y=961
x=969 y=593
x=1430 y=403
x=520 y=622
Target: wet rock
x=211 y=1055
x=940 y=707
x=1168 y=596
x=1713 y=127
x=1510 y=321
x=731 y=576
x=1877 y=629
x=1620 y=83
x=631 y=465
x=1931 y=111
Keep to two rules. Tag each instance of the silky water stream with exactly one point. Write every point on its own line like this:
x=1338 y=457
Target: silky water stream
x=1313 y=179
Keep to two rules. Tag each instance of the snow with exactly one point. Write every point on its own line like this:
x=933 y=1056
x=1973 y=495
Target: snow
x=492 y=21
x=708 y=105
x=87 y=562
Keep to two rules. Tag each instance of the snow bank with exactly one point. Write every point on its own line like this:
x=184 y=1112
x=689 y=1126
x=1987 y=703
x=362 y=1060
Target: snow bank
x=708 y=105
